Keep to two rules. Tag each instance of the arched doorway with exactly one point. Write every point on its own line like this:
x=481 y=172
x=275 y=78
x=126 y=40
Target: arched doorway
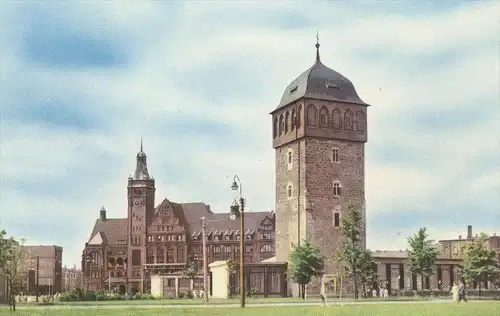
x=122 y=289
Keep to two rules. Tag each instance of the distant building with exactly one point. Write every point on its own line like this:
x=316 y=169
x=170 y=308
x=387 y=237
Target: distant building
x=49 y=270
x=72 y=279
x=123 y=253
x=393 y=271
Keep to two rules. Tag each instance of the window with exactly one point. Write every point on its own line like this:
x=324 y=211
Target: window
x=266 y=248
x=136 y=257
x=180 y=255
x=216 y=238
x=248 y=248
x=227 y=249
x=336 y=219
x=335 y=155
x=290 y=156
x=337 y=189
x=289 y=191
x=227 y=237
x=266 y=236
x=170 y=282
x=287 y=118
x=248 y=237
x=216 y=249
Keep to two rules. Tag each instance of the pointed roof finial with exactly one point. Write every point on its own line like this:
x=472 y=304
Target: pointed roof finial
x=317 y=45
x=141 y=143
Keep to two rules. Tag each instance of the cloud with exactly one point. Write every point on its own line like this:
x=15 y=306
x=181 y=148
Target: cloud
x=81 y=83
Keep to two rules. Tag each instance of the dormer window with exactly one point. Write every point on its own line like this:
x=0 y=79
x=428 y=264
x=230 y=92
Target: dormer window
x=330 y=84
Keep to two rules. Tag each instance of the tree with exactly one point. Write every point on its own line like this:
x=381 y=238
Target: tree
x=13 y=264
x=306 y=262
x=352 y=251
x=231 y=269
x=367 y=273
x=422 y=255
x=190 y=270
x=479 y=263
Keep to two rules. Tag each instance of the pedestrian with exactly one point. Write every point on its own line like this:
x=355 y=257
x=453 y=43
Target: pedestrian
x=381 y=292
x=454 y=292
x=374 y=293
x=386 y=292
x=461 y=291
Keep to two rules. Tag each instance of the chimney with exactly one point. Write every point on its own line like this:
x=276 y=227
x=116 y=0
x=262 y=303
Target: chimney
x=103 y=214
x=469 y=231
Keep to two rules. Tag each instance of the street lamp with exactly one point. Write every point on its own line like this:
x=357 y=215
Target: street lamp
x=234 y=212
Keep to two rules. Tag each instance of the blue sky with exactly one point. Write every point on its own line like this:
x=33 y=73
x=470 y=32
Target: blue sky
x=82 y=82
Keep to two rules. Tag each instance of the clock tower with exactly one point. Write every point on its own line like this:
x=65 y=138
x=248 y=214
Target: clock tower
x=141 y=199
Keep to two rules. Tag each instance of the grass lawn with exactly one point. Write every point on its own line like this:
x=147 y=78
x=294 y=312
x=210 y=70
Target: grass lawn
x=420 y=309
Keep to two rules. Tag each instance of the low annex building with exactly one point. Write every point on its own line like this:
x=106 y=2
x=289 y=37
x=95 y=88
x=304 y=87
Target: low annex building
x=122 y=254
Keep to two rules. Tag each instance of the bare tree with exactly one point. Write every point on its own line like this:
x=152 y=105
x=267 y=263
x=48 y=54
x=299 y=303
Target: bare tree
x=13 y=265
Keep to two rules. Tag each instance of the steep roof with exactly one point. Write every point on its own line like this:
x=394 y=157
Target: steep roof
x=114 y=229
x=322 y=83
x=220 y=222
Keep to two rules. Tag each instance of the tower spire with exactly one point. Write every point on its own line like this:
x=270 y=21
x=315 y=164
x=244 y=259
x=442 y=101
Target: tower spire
x=141 y=171
x=317 y=46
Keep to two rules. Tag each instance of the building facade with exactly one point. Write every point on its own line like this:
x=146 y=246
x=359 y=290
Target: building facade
x=71 y=279
x=393 y=271
x=319 y=134
x=123 y=253
x=44 y=270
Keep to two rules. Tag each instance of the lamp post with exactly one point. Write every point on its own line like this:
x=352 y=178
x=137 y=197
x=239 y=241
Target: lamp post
x=205 y=268
x=234 y=210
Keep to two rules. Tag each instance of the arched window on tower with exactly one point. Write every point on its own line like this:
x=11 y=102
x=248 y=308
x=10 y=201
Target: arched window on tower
x=275 y=127
x=287 y=119
x=348 y=120
x=289 y=190
x=312 y=115
x=360 y=121
x=293 y=120
x=323 y=117
x=281 y=125
x=336 y=119
x=337 y=188
x=299 y=116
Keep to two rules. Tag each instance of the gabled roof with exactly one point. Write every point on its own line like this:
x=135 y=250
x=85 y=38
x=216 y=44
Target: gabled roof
x=113 y=229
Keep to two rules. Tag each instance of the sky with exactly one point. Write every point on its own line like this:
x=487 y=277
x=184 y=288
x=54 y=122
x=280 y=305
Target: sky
x=82 y=82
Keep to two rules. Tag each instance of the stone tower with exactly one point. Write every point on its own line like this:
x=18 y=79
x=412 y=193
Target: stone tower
x=319 y=135
x=141 y=199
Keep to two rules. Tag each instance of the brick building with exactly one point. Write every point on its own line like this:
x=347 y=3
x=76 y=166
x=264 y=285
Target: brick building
x=319 y=134
x=47 y=273
x=123 y=253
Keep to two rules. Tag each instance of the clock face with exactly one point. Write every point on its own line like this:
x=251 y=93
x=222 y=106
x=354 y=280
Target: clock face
x=138 y=202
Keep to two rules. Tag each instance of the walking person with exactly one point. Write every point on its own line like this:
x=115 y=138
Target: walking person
x=461 y=291
x=454 y=292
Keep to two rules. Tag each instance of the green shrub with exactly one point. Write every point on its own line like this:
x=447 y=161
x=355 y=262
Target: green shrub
x=189 y=294
x=69 y=297
x=180 y=295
